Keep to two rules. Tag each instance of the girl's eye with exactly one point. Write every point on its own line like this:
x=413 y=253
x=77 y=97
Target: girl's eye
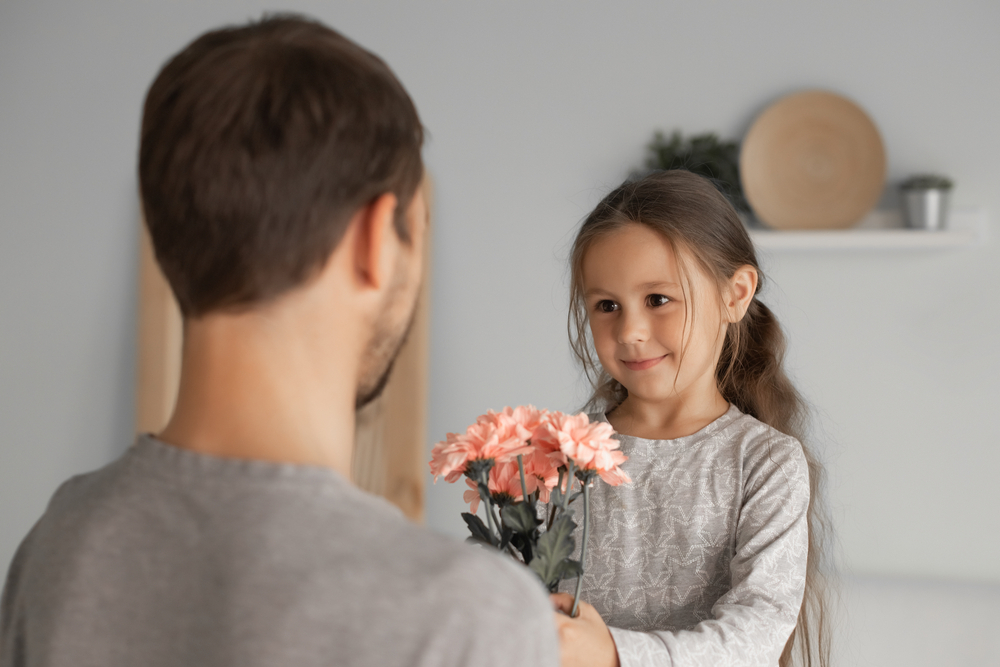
x=607 y=306
x=657 y=300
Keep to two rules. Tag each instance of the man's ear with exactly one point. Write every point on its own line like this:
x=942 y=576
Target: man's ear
x=375 y=241
x=740 y=292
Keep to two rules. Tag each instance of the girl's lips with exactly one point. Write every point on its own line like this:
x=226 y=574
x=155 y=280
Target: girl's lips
x=642 y=364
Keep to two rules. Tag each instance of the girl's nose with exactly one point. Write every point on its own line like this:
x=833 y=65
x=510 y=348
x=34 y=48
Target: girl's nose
x=633 y=329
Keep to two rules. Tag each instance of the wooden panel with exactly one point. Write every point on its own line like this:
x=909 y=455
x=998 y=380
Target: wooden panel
x=390 y=443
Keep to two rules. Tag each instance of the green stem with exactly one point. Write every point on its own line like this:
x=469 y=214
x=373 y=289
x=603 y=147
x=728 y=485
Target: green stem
x=569 y=485
x=524 y=486
x=583 y=548
x=496 y=520
x=552 y=512
x=488 y=502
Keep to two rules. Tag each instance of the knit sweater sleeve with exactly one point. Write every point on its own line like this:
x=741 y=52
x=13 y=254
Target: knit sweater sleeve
x=752 y=621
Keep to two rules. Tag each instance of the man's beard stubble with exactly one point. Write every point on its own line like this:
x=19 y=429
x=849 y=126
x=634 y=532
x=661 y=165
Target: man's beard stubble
x=382 y=350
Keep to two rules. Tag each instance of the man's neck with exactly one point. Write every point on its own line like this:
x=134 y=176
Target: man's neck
x=257 y=386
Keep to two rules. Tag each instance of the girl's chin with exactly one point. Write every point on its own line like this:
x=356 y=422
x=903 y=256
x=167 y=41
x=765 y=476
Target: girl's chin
x=659 y=375
x=651 y=390
x=652 y=397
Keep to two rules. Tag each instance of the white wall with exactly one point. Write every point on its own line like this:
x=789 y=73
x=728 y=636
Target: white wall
x=903 y=622
x=535 y=110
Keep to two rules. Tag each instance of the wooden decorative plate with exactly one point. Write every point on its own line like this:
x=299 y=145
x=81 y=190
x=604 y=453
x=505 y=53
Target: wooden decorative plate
x=812 y=160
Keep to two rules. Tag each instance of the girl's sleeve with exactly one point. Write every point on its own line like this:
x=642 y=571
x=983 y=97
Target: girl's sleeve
x=754 y=619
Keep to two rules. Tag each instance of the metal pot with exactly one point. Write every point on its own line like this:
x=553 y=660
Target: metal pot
x=926 y=208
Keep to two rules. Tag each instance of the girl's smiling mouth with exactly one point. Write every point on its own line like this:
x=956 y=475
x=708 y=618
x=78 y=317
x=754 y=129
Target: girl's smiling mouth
x=642 y=364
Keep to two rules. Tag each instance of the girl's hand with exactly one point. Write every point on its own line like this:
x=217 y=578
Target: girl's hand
x=584 y=641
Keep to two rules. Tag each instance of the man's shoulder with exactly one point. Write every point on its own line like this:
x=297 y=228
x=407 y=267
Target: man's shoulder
x=436 y=567
x=489 y=608
x=468 y=597
x=79 y=496
x=475 y=568
x=295 y=548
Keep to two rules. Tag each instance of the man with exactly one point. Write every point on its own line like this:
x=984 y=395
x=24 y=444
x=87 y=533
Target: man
x=280 y=172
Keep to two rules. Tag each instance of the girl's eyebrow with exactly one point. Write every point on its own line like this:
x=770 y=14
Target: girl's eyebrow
x=645 y=286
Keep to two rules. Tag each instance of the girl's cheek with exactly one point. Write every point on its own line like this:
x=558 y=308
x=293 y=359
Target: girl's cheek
x=606 y=342
x=599 y=331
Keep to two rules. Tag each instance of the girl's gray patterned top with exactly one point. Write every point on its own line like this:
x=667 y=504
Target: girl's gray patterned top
x=701 y=560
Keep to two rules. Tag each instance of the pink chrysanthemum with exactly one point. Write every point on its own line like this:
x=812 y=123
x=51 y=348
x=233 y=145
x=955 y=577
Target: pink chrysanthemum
x=589 y=444
x=541 y=470
x=505 y=479
x=497 y=436
x=515 y=425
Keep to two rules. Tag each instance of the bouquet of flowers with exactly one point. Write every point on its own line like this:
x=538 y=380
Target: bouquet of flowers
x=516 y=458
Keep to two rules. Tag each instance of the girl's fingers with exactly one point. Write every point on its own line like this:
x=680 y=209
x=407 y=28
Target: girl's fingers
x=562 y=602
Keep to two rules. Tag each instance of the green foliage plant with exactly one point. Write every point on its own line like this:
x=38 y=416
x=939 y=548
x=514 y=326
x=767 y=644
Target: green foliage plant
x=703 y=154
x=927 y=182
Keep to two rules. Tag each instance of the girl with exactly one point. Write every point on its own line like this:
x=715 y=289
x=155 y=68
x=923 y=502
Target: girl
x=710 y=556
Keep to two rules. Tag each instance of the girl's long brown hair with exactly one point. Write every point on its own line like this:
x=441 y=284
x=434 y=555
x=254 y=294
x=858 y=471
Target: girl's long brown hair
x=690 y=213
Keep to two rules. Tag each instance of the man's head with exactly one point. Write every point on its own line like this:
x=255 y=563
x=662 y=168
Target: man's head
x=260 y=144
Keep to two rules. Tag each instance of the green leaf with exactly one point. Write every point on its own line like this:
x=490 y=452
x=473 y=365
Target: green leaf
x=523 y=543
x=519 y=517
x=554 y=547
x=571 y=568
x=505 y=534
x=480 y=532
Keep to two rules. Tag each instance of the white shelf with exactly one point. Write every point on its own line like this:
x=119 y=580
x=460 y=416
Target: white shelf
x=881 y=230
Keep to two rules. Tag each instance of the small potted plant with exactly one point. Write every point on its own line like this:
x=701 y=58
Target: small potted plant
x=704 y=154
x=925 y=201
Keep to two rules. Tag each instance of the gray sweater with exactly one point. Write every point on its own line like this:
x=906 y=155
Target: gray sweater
x=701 y=560
x=168 y=558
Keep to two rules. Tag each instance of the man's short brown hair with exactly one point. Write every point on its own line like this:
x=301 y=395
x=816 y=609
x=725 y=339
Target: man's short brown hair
x=259 y=143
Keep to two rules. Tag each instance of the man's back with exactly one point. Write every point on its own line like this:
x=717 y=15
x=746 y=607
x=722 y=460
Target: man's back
x=168 y=557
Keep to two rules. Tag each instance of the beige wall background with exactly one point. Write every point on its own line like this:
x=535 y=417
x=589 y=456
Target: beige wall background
x=535 y=109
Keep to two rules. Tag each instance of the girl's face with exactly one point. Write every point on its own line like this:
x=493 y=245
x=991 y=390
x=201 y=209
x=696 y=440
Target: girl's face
x=646 y=314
